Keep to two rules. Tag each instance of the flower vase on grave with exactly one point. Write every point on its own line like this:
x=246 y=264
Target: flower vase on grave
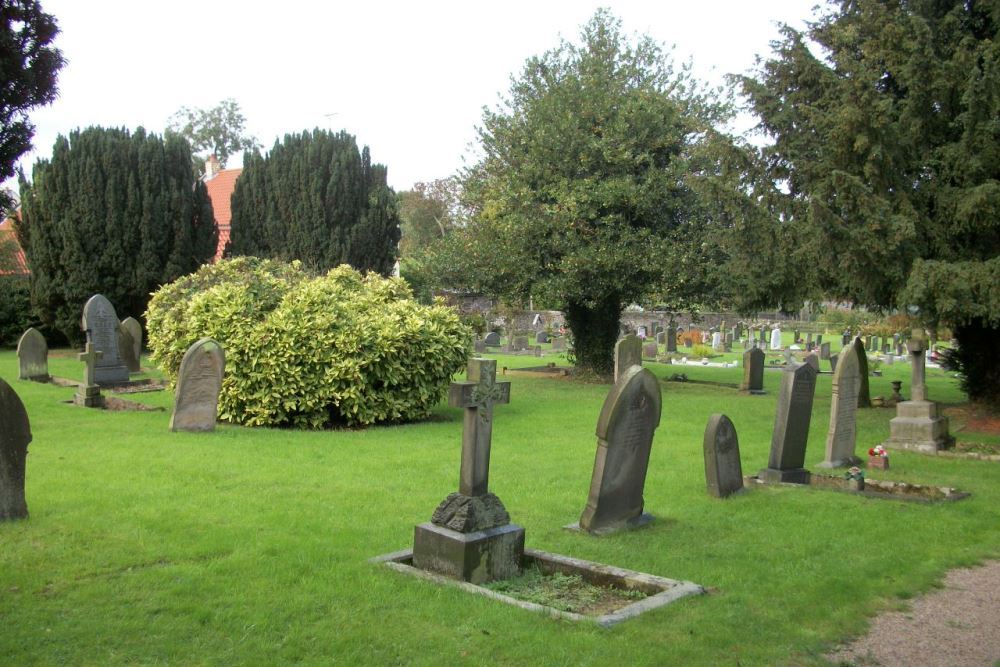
x=878 y=458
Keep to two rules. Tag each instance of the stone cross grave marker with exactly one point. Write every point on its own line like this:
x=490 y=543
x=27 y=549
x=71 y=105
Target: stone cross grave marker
x=100 y=320
x=841 y=437
x=478 y=394
x=791 y=427
x=33 y=356
x=918 y=424
x=628 y=353
x=199 y=380
x=15 y=434
x=131 y=343
x=88 y=394
x=753 y=371
x=723 y=470
x=625 y=429
x=864 y=392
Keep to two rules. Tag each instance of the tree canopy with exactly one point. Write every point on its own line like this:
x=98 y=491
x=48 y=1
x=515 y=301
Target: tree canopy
x=29 y=65
x=583 y=197
x=884 y=117
x=219 y=131
x=318 y=199
x=113 y=212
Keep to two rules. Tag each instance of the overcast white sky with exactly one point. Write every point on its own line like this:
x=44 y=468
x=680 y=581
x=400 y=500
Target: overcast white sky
x=409 y=79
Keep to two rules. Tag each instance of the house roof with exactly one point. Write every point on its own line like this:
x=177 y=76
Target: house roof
x=19 y=265
x=220 y=189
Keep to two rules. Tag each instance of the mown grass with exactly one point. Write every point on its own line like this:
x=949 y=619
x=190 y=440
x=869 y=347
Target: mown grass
x=250 y=546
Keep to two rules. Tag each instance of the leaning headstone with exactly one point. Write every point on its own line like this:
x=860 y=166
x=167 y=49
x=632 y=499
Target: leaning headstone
x=918 y=424
x=469 y=536
x=33 y=356
x=199 y=380
x=776 y=339
x=625 y=430
x=131 y=343
x=753 y=371
x=101 y=323
x=864 y=392
x=88 y=393
x=492 y=339
x=15 y=434
x=841 y=437
x=541 y=337
x=628 y=352
x=791 y=427
x=723 y=471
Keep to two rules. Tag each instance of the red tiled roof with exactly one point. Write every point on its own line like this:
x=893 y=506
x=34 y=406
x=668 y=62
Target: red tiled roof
x=19 y=265
x=220 y=190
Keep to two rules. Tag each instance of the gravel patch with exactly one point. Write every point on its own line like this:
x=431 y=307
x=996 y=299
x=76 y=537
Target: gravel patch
x=956 y=626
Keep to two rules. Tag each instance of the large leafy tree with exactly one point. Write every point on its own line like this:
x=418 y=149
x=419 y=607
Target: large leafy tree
x=28 y=67
x=318 y=199
x=583 y=195
x=428 y=212
x=885 y=117
x=113 y=212
x=219 y=131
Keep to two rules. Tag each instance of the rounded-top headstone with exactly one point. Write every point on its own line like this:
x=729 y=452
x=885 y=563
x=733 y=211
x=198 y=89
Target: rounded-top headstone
x=100 y=319
x=199 y=381
x=723 y=469
x=15 y=434
x=33 y=356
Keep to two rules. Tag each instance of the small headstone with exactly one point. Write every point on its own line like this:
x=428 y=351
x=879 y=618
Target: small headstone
x=541 y=337
x=671 y=338
x=537 y=350
x=661 y=338
x=628 y=352
x=15 y=434
x=520 y=343
x=819 y=339
x=101 y=323
x=33 y=356
x=640 y=331
x=919 y=424
x=492 y=339
x=717 y=341
x=813 y=360
x=870 y=343
x=791 y=427
x=841 y=437
x=479 y=346
x=809 y=340
x=649 y=350
x=625 y=431
x=199 y=380
x=131 y=353
x=727 y=343
x=723 y=470
x=558 y=343
x=776 y=339
x=833 y=362
x=824 y=350
x=88 y=393
x=795 y=336
x=753 y=371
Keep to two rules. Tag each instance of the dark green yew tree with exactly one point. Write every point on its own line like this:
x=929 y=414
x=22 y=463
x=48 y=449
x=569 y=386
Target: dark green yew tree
x=316 y=198
x=887 y=142
x=113 y=212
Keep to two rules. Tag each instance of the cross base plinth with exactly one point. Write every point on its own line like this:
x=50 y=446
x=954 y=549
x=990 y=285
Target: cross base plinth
x=777 y=476
x=89 y=396
x=469 y=514
x=476 y=557
x=918 y=426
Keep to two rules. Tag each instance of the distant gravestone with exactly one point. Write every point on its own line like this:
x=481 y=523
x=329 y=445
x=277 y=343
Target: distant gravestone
x=723 y=471
x=809 y=340
x=819 y=339
x=776 y=339
x=131 y=343
x=833 y=362
x=101 y=323
x=812 y=360
x=479 y=346
x=558 y=343
x=727 y=343
x=864 y=392
x=650 y=350
x=15 y=434
x=88 y=393
x=870 y=343
x=625 y=431
x=199 y=380
x=791 y=427
x=628 y=352
x=541 y=337
x=671 y=338
x=824 y=350
x=33 y=356
x=661 y=337
x=753 y=371
x=717 y=341
x=841 y=437
x=492 y=339
x=520 y=343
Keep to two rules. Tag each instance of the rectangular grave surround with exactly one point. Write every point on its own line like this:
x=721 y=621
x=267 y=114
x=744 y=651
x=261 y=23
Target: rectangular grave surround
x=660 y=590
x=875 y=488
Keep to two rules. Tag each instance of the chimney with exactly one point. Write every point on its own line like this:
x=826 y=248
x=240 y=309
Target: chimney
x=212 y=167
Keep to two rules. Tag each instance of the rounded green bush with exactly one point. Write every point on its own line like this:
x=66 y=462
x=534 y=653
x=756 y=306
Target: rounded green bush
x=343 y=348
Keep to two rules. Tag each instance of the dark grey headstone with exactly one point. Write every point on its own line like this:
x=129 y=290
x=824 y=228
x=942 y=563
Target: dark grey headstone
x=520 y=343
x=15 y=434
x=492 y=339
x=671 y=341
x=833 y=361
x=628 y=353
x=813 y=361
x=753 y=371
x=864 y=392
x=791 y=426
x=625 y=429
x=479 y=346
x=842 y=434
x=33 y=356
x=723 y=470
x=541 y=337
x=131 y=343
x=196 y=398
x=101 y=324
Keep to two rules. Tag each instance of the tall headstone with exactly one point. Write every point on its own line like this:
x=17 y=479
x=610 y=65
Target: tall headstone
x=864 y=392
x=819 y=339
x=88 y=393
x=131 y=343
x=824 y=350
x=717 y=341
x=101 y=323
x=918 y=424
x=791 y=427
x=723 y=470
x=625 y=431
x=671 y=338
x=753 y=371
x=841 y=437
x=470 y=536
x=15 y=434
x=33 y=356
x=833 y=362
x=628 y=352
x=199 y=380
x=776 y=339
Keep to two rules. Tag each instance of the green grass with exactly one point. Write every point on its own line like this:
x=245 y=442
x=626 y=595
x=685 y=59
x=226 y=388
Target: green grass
x=250 y=547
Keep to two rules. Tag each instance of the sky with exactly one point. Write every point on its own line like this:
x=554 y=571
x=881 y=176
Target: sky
x=408 y=79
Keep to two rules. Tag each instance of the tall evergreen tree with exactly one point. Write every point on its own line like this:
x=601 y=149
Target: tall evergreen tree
x=114 y=212
x=316 y=198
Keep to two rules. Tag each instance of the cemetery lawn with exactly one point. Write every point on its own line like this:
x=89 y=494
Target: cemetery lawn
x=251 y=546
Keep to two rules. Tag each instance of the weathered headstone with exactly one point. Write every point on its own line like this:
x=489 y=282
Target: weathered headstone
x=199 y=380
x=628 y=352
x=671 y=338
x=88 y=393
x=824 y=350
x=813 y=360
x=558 y=343
x=479 y=346
x=541 y=337
x=33 y=356
x=131 y=343
x=723 y=470
x=661 y=337
x=833 y=362
x=753 y=371
x=841 y=437
x=625 y=431
x=791 y=427
x=15 y=434
x=727 y=343
x=864 y=392
x=776 y=339
x=819 y=339
x=520 y=343
x=650 y=350
x=492 y=339
x=100 y=320
x=717 y=341
x=918 y=424
x=470 y=536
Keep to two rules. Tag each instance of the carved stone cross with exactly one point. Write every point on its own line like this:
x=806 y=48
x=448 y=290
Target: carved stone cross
x=90 y=356
x=477 y=395
x=917 y=347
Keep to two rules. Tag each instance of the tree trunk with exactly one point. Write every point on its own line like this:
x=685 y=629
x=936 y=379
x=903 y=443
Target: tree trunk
x=976 y=361
x=595 y=332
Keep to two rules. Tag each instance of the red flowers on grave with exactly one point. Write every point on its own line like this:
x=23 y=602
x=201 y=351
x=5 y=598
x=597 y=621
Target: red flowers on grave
x=878 y=450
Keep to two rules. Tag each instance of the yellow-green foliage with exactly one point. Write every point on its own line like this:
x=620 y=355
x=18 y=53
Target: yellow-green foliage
x=309 y=352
